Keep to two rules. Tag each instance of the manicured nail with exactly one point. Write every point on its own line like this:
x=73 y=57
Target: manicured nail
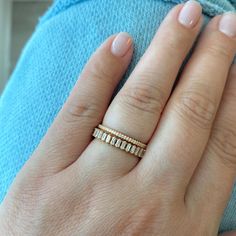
x=190 y=14
x=227 y=24
x=121 y=44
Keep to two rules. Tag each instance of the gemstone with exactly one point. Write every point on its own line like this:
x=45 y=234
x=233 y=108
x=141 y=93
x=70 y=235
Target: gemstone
x=123 y=145
x=108 y=138
x=100 y=134
x=95 y=132
x=113 y=141
x=141 y=153
x=133 y=149
x=104 y=136
x=118 y=142
x=128 y=147
x=137 y=151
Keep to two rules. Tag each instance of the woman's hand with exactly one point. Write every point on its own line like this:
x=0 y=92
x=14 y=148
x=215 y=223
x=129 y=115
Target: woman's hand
x=73 y=185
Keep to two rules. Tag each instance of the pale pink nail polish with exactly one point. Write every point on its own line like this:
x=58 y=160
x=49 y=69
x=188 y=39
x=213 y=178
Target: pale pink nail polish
x=227 y=24
x=121 y=44
x=190 y=14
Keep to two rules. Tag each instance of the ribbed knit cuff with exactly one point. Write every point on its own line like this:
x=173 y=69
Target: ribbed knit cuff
x=210 y=7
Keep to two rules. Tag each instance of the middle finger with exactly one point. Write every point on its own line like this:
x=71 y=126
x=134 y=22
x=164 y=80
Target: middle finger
x=186 y=124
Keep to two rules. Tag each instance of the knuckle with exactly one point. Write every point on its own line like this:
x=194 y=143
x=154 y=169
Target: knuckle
x=196 y=108
x=103 y=72
x=177 y=38
x=144 y=97
x=224 y=145
x=173 y=42
x=76 y=111
x=219 y=50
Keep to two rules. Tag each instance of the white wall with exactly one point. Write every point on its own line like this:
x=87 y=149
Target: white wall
x=24 y=19
x=17 y=22
x=5 y=40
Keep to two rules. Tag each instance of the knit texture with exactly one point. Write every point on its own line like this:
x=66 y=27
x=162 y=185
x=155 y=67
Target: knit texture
x=53 y=58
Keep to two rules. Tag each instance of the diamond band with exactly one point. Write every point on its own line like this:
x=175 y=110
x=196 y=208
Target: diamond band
x=119 y=142
x=122 y=136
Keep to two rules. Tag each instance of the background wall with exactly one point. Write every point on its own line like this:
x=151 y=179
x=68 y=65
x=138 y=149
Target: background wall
x=17 y=22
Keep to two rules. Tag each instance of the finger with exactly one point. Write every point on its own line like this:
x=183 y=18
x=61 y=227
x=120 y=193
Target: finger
x=71 y=131
x=214 y=178
x=136 y=109
x=184 y=129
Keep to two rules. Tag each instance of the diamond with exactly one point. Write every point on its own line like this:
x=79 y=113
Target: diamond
x=95 y=132
x=118 y=142
x=113 y=141
x=141 y=153
x=104 y=136
x=128 y=147
x=108 y=138
x=100 y=134
x=123 y=145
x=137 y=151
x=133 y=149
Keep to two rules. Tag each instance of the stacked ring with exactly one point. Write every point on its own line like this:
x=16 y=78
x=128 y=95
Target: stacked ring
x=120 y=140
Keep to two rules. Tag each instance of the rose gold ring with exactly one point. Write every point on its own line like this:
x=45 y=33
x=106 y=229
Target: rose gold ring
x=120 y=140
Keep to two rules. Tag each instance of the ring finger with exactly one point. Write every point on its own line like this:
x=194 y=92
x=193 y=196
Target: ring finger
x=136 y=109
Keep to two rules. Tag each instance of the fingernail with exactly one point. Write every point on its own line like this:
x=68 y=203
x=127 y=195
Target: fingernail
x=227 y=24
x=190 y=14
x=121 y=44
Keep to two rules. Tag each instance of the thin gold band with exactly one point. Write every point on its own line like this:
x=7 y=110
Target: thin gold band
x=118 y=142
x=122 y=136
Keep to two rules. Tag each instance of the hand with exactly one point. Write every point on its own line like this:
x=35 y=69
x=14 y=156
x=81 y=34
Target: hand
x=76 y=185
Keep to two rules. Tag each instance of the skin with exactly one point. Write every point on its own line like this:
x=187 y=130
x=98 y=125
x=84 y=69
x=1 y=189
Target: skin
x=74 y=185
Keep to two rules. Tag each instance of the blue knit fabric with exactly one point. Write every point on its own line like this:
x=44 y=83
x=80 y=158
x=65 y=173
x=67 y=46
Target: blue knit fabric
x=53 y=58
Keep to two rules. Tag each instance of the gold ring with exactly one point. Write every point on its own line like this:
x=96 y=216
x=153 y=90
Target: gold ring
x=120 y=140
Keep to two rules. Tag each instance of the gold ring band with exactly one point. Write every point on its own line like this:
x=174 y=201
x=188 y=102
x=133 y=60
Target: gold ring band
x=119 y=142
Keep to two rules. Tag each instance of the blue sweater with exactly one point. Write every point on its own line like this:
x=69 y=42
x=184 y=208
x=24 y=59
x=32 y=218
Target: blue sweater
x=53 y=58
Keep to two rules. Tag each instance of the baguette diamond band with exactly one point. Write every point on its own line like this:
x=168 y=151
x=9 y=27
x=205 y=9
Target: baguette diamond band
x=120 y=141
x=122 y=136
